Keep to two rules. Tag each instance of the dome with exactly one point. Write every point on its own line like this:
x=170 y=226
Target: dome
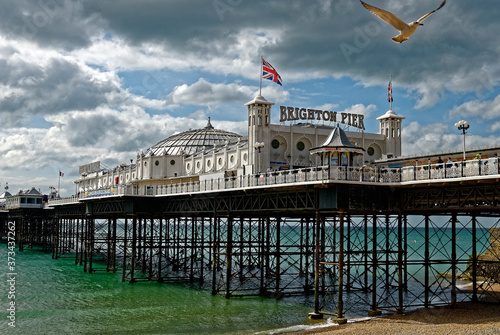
x=192 y=141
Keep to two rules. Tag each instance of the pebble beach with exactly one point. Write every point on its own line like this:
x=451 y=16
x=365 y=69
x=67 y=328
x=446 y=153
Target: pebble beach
x=466 y=318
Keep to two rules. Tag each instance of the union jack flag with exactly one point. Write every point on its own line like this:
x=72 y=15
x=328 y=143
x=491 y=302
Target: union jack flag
x=268 y=72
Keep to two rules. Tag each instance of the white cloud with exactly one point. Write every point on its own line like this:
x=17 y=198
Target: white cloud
x=420 y=139
x=203 y=93
x=328 y=106
x=486 y=110
x=367 y=111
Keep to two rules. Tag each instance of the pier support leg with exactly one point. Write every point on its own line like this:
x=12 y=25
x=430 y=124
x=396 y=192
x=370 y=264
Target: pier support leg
x=474 y=259
x=454 y=260
x=400 y=264
x=316 y=314
x=373 y=310
x=340 y=319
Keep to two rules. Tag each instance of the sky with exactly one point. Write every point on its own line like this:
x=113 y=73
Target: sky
x=102 y=80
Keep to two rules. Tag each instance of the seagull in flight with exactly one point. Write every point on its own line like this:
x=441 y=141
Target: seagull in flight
x=405 y=29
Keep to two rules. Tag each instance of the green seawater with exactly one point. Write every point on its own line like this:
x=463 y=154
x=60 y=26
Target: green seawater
x=57 y=297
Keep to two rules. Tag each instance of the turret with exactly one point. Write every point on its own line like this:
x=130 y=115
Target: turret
x=390 y=126
x=259 y=119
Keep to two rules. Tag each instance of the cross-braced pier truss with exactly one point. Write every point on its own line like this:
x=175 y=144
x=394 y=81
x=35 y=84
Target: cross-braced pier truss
x=354 y=246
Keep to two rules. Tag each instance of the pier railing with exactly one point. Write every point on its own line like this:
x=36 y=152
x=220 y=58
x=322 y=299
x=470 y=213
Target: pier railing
x=321 y=174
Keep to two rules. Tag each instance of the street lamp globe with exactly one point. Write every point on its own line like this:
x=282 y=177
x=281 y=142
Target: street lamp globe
x=462 y=125
x=258 y=145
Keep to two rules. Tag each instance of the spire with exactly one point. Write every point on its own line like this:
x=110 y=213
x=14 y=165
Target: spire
x=209 y=125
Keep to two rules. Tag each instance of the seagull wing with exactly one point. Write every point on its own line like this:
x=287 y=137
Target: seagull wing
x=429 y=14
x=387 y=17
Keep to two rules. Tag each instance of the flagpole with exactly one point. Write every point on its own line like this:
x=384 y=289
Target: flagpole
x=59 y=184
x=260 y=85
x=390 y=80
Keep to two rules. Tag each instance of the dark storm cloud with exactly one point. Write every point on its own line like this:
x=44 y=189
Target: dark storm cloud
x=333 y=38
x=49 y=23
x=327 y=37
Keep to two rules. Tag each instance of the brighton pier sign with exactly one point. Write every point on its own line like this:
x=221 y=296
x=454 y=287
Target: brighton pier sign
x=295 y=113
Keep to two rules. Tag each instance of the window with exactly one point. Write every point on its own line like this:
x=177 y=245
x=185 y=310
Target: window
x=300 y=146
x=172 y=162
x=370 y=151
x=157 y=163
x=275 y=144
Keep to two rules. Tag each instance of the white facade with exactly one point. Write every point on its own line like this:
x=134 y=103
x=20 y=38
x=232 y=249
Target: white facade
x=181 y=159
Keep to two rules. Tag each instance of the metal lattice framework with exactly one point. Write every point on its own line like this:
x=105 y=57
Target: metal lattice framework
x=355 y=247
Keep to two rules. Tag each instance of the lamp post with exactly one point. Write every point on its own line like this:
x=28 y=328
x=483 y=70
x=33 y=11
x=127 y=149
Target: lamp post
x=258 y=146
x=463 y=126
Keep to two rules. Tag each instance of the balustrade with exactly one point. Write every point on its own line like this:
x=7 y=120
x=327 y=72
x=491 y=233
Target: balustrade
x=447 y=170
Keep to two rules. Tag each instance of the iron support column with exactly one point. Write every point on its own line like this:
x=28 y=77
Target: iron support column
x=316 y=314
x=400 y=263
x=454 y=260
x=474 y=259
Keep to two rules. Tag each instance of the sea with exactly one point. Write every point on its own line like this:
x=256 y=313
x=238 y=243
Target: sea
x=55 y=296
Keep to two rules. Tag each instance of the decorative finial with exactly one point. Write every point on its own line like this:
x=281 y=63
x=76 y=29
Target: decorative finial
x=209 y=125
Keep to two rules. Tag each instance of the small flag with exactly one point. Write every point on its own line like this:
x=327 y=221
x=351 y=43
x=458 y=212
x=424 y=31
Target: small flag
x=389 y=92
x=268 y=72
x=61 y=174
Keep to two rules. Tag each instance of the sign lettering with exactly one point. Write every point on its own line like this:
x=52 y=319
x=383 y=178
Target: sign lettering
x=295 y=113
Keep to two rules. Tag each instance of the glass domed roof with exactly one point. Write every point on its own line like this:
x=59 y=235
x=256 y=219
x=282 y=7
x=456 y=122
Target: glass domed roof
x=192 y=141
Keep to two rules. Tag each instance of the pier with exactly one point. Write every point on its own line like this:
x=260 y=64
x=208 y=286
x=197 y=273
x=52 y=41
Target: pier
x=338 y=234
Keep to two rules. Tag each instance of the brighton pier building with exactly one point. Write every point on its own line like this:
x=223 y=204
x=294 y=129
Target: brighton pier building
x=304 y=138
